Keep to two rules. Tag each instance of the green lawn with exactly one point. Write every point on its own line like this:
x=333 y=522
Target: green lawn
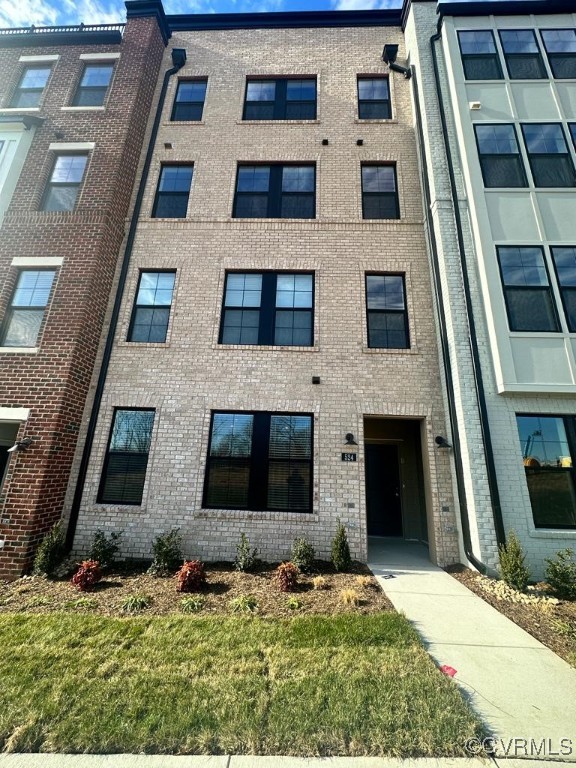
x=341 y=685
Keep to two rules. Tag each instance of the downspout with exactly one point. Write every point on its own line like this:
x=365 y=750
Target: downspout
x=178 y=60
x=472 y=337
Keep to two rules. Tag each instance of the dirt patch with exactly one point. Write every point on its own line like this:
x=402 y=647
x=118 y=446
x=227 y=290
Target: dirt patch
x=553 y=624
x=38 y=595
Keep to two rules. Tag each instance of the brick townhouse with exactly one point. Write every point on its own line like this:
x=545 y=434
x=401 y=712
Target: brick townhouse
x=74 y=105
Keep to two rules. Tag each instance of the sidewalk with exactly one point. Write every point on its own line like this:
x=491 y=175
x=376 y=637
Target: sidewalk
x=520 y=688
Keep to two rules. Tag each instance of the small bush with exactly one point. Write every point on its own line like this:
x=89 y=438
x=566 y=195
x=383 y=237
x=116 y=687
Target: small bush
x=191 y=576
x=83 y=604
x=512 y=568
x=136 y=603
x=243 y=604
x=192 y=604
x=167 y=550
x=38 y=601
x=561 y=574
x=350 y=597
x=105 y=548
x=303 y=554
x=246 y=558
x=287 y=577
x=87 y=575
x=50 y=553
x=293 y=603
x=364 y=582
x=341 y=559
x=319 y=582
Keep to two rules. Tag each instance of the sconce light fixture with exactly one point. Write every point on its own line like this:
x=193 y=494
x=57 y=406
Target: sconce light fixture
x=21 y=445
x=350 y=439
x=441 y=442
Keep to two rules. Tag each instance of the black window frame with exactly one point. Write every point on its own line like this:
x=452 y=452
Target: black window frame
x=136 y=306
x=567 y=291
x=100 y=90
x=12 y=308
x=52 y=185
x=533 y=469
x=555 y=57
x=177 y=105
x=535 y=158
x=533 y=289
x=281 y=103
x=142 y=470
x=275 y=194
x=515 y=159
x=20 y=91
x=512 y=58
x=387 y=311
x=259 y=462
x=267 y=309
x=162 y=195
x=384 y=104
x=380 y=195
x=475 y=58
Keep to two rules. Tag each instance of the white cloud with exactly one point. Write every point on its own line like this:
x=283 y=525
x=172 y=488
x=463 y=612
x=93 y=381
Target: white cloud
x=23 y=13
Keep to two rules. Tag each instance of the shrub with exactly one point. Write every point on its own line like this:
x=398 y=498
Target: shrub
x=191 y=576
x=303 y=554
x=287 y=577
x=38 y=601
x=50 y=553
x=87 y=575
x=105 y=548
x=245 y=557
x=364 y=582
x=293 y=603
x=192 y=604
x=319 y=582
x=512 y=568
x=167 y=550
x=341 y=559
x=350 y=597
x=561 y=574
x=136 y=603
x=83 y=603
x=243 y=604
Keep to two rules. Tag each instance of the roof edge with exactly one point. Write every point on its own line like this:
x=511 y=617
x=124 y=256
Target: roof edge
x=137 y=9
x=284 y=19
x=505 y=7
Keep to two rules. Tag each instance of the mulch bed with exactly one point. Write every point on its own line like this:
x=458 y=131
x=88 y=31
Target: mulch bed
x=554 y=625
x=39 y=595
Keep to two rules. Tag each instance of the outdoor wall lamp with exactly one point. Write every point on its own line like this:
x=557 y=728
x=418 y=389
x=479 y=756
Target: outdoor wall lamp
x=350 y=439
x=389 y=57
x=21 y=445
x=441 y=442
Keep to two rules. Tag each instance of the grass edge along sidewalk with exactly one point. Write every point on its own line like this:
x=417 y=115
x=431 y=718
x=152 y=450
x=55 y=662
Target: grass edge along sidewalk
x=341 y=685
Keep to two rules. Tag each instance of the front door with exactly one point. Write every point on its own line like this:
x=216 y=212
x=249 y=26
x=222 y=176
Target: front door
x=383 y=502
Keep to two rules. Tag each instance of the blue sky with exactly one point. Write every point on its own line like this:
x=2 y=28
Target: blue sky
x=23 y=13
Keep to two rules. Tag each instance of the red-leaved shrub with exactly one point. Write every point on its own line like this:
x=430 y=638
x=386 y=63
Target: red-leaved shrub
x=287 y=575
x=87 y=575
x=191 y=576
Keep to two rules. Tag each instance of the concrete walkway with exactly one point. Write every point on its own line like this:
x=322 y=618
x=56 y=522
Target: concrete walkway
x=520 y=688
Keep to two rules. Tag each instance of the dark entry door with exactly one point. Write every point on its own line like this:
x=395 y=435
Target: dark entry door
x=384 y=508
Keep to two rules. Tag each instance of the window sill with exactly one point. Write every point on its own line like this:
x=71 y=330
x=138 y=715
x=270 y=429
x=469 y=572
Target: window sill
x=143 y=344
x=392 y=351
x=276 y=122
x=247 y=514
x=83 y=109
x=538 y=334
x=379 y=120
x=184 y=122
x=12 y=110
x=266 y=347
x=19 y=350
x=553 y=533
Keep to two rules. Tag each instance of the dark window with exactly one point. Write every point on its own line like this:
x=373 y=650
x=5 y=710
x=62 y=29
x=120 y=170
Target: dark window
x=572 y=127
x=127 y=457
x=173 y=191
x=152 y=307
x=479 y=55
x=31 y=86
x=189 y=101
x=565 y=265
x=522 y=54
x=548 y=154
x=527 y=290
x=275 y=191
x=268 y=308
x=280 y=99
x=386 y=312
x=373 y=98
x=500 y=156
x=379 y=193
x=260 y=461
x=92 y=89
x=64 y=183
x=548 y=445
x=25 y=314
x=560 y=46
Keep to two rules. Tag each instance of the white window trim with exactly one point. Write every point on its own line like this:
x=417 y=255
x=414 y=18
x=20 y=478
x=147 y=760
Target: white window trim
x=18 y=350
x=71 y=146
x=39 y=59
x=37 y=261
x=14 y=414
x=83 y=109
x=17 y=110
x=99 y=56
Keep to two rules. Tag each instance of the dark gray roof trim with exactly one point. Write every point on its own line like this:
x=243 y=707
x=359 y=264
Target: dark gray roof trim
x=506 y=7
x=29 y=38
x=283 y=19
